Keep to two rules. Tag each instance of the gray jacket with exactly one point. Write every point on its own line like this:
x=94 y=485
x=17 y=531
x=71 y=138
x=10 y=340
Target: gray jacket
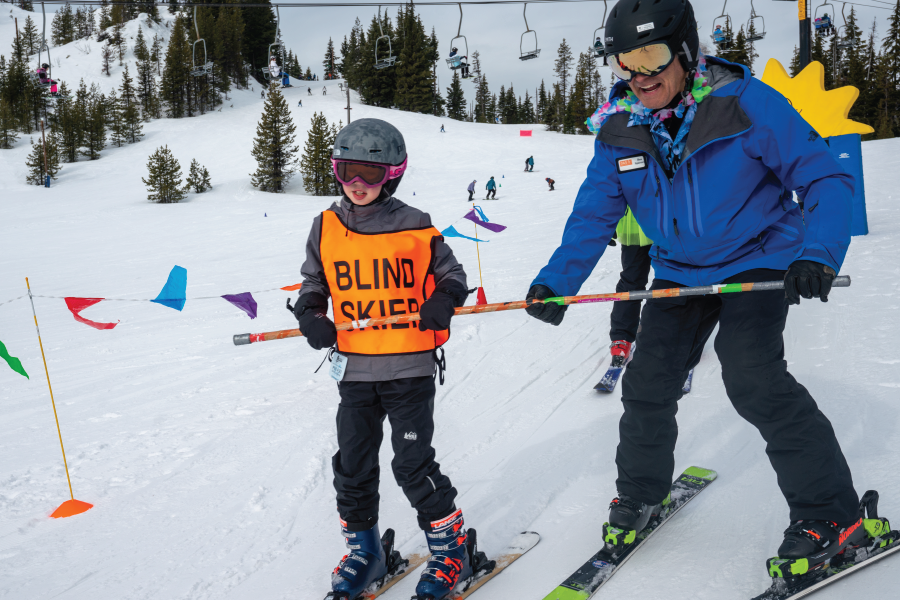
x=379 y=217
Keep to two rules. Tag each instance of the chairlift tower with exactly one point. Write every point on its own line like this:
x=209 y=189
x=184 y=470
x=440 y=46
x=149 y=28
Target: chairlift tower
x=803 y=17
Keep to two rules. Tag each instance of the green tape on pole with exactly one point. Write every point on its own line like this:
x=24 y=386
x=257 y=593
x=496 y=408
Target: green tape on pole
x=730 y=287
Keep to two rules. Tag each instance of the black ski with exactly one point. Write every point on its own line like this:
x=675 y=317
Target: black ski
x=881 y=543
x=584 y=583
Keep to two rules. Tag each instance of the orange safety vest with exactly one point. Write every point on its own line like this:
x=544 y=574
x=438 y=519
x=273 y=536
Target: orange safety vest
x=379 y=275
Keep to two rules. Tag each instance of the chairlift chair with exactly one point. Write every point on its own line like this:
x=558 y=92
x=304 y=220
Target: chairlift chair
x=390 y=60
x=598 y=41
x=722 y=23
x=205 y=66
x=455 y=62
x=523 y=55
x=823 y=20
x=759 y=25
x=843 y=40
x=276 y=48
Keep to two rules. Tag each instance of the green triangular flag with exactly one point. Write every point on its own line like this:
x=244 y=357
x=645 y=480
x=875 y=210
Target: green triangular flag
x=14 y=363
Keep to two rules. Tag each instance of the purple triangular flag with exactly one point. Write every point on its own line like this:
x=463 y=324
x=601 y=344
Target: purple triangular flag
x=243 y=301
x=489 y=226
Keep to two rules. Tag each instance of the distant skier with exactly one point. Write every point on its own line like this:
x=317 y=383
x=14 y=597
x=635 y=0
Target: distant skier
x=285 y=80
x=550 y=182
x=309 y=91
x=491 y=188
x=529 y=164
x=300 y=103
x=389 y=372
x=324 y=90
x=471 y=189
x=442 y=129
x=262 y=93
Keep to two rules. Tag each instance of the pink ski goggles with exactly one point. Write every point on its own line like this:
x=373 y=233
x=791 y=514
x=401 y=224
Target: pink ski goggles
x=369 y=174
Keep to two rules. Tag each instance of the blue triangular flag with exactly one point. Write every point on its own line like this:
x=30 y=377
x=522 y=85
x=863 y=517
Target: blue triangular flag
x=174 y=292
x=452 y=232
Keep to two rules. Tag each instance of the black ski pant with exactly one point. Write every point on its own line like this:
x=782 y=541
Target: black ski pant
x=800 y=442
x=409 y=404
x=626 y=316
x=551 y=188
x=471 y=193
x=491 y=194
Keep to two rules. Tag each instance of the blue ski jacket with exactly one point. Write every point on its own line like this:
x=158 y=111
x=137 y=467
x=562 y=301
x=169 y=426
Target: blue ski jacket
x=491 y=184
x=530 y=161
x=729 y=206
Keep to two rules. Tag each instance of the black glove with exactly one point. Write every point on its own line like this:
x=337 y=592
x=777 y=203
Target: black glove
x=807 y=279
x=436 y=312
x=311 y=311
x=548 y=313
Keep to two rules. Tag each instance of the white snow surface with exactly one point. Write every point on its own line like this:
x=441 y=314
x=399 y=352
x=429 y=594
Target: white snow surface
x=209 y=464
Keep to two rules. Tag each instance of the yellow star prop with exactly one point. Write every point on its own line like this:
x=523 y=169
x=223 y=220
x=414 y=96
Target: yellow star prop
x=825 y=110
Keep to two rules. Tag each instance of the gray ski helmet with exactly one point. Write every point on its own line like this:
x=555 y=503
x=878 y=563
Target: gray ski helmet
x=370 y=140
x=635 y=23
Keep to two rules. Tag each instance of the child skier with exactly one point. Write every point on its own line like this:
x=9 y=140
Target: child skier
x=389 y=370
x=471 y=189
x=491 y=188
x=550 y=182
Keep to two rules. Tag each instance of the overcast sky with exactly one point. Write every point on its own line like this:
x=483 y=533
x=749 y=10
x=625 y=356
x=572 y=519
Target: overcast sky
x=495 y=32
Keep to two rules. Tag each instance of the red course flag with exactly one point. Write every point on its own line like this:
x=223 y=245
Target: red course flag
x=524 y=133
x=76 y=305
x=482 y=299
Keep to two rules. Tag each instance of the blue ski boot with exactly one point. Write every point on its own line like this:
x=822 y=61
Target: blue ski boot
x=365 y=564
x=627 y=518
x=455 y=560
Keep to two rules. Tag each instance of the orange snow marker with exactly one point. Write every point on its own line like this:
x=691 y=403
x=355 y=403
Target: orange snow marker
x=69 y=507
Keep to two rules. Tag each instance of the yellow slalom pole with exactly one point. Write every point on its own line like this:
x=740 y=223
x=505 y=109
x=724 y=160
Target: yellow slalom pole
x=478 y=252
x=66 y=508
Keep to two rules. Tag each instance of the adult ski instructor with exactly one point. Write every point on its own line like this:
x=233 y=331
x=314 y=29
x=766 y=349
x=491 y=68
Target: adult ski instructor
x=707 y=158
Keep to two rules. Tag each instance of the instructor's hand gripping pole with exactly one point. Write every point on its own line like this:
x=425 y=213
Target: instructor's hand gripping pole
x=725 y=288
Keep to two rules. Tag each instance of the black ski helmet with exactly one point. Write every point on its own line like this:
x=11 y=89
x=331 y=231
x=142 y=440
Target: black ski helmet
x=635 y=23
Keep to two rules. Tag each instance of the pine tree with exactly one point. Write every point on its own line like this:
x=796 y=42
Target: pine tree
x=315 y=164
x=115 y=121
x=94 y=140
x=67 y=122
x=145 y=87
x=273 y=147
x=552 y=118
x=541 y=101
x=415 y=78
x=63 y=26
x=175 y=80
x=37 y=175
x=794 y=67
x=328 y=66
x=229 y=45
x=752 y=54
x=456 y=102
x=8 y=125
x=106 y=55
x=164 y=179
x=562 y=67
x=130 y=109
x=198 y=178
x=25 y=5
x=31 y=39
x=156 y=53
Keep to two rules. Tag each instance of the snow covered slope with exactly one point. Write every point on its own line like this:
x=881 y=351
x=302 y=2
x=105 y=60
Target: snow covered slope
x=209 y=464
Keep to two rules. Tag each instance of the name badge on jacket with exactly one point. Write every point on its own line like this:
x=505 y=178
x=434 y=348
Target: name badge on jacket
x=631 y=163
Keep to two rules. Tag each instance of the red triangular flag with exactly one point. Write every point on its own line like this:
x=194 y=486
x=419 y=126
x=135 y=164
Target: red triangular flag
x=481 y=297
x=76 y=305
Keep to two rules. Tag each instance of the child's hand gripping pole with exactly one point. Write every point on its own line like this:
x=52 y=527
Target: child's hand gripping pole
x=726 y=288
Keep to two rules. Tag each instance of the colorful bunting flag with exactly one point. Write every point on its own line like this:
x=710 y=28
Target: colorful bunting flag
x=243 y=301
x=484 y=223
x=14 y=363
x=76 y=305
x=174 y=292
x=452 y=232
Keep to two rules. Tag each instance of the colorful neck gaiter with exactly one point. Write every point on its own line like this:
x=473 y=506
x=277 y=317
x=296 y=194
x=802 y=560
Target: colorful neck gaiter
x=669 y=149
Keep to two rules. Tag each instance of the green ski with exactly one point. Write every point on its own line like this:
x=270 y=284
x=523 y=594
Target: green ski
x=584 y=583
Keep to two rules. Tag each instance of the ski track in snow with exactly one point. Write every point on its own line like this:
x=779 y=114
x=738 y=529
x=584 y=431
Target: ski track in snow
x=209 y=465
